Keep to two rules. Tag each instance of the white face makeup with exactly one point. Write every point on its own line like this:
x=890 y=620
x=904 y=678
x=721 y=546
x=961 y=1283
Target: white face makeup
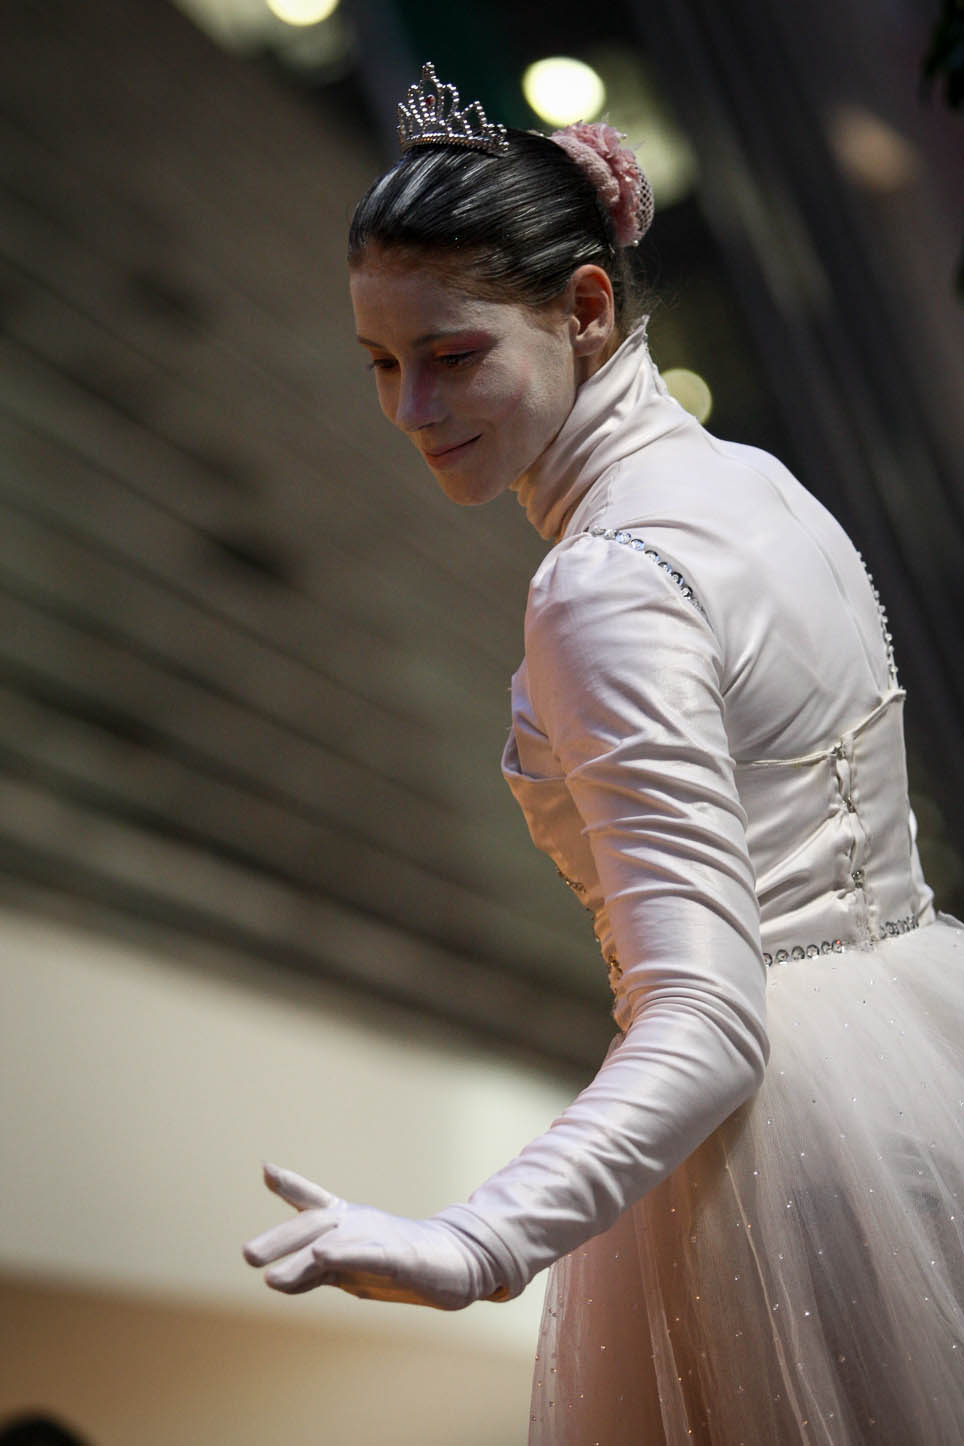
x=480 y=387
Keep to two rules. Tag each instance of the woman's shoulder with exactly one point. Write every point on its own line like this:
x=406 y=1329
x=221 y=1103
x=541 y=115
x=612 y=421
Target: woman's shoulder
x=695 y=483
x=603 y=562
x=724 y=520
x=605 y=586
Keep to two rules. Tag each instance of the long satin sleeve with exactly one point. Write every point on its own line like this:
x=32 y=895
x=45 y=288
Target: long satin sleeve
x=625 y=683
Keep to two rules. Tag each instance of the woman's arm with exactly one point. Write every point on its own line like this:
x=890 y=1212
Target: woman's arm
x=624 y=678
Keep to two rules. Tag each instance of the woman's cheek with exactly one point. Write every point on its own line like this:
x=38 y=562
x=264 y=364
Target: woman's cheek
x=496 y=397
x=387 y=395
x=545 y=404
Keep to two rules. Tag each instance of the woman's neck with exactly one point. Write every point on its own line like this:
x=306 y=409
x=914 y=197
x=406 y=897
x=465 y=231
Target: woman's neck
x=620 y=407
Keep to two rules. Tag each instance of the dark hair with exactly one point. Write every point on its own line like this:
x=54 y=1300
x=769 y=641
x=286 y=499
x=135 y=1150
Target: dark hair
x=518 y=223
x=37 y=1430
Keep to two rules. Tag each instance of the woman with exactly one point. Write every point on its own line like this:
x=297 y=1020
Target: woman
x=707 y=741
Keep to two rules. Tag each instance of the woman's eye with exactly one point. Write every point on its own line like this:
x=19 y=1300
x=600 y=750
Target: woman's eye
x=381 y=364
x=455 y=358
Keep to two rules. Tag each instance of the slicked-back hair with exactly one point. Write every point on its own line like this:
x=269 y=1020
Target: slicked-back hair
x=513 y=227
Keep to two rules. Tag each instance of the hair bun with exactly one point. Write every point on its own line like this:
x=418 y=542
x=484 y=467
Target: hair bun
x=613 y=169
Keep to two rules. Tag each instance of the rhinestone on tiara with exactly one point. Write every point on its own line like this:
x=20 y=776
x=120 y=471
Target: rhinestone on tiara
x=432 y=117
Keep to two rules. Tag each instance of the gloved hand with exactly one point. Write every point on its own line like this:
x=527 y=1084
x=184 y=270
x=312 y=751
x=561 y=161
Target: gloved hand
x=367 y=1252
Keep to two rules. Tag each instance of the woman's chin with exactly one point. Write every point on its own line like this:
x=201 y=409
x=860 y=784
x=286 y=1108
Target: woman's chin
x=467 y=494
x=466 y=489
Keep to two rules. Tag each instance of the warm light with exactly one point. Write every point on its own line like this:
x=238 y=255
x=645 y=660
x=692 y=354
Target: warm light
x=870 y=151
x=302 y=12
x=562 y=91
x=690 y=391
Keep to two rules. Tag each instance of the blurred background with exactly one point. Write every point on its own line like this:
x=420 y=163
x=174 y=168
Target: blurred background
x=262 y=892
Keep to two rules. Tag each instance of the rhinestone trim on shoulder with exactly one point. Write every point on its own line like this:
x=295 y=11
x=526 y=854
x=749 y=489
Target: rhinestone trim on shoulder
x=638 y=544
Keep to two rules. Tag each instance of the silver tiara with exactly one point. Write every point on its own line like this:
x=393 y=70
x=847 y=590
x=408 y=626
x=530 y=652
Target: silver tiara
x=432 y=117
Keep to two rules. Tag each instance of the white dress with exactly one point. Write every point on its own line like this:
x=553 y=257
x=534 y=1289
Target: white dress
x=707 y=741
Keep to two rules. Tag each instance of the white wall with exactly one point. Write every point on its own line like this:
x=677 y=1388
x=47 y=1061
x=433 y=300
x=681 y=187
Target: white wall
x=134 y=1373
x=138 y=1097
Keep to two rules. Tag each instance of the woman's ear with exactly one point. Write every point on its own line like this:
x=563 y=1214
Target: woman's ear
x=592 y=312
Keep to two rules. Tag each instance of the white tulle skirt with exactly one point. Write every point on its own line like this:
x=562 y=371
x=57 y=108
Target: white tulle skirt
x=800 y=1278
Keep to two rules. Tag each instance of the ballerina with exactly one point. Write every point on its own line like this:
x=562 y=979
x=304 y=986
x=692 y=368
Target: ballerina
x=707 y=741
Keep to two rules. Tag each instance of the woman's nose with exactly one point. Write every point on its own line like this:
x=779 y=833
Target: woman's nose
x=418 y=404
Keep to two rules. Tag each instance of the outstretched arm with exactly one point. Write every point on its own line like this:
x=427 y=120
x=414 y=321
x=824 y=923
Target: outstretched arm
x=625 y=682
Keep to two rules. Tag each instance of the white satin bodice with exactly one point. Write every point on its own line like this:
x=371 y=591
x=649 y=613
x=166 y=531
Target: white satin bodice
x=708 y=630
x=706 y=739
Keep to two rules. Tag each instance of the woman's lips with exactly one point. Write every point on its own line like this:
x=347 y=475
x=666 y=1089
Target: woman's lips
x=445 y=455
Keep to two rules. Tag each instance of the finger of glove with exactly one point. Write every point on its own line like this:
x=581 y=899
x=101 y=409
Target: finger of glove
x=299 y=1272
x=291 y=1235
x=304 y=1194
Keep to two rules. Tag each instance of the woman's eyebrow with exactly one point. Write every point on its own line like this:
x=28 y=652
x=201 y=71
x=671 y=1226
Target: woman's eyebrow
x=422 y=340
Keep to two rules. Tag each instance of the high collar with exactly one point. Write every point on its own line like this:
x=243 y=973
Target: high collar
x=617 y=410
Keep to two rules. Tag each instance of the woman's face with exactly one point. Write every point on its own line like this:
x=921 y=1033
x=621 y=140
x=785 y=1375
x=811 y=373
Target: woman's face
x=480 y=387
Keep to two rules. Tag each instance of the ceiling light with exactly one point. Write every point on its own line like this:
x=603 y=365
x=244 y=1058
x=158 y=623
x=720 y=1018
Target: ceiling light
x=561 y=90
x=690 y=391
x=302 y=12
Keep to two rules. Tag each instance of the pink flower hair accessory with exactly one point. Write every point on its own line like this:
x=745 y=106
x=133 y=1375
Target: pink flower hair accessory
x=613 y=169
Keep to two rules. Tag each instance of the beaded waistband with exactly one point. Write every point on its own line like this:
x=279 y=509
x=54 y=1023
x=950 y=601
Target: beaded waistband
x=904 y=925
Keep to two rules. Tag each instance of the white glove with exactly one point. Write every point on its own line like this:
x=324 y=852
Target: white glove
x=367 y=1252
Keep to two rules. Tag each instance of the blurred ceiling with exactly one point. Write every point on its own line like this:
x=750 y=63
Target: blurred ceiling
x=253 y=665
